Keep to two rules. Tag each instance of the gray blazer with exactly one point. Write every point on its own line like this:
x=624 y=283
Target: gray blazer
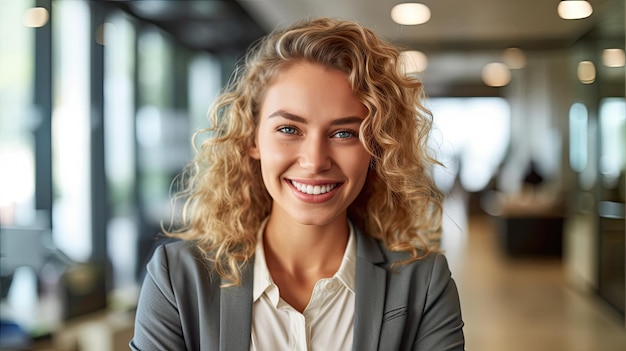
x=412 y=307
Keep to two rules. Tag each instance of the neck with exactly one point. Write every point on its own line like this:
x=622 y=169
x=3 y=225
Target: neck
x=310 y=250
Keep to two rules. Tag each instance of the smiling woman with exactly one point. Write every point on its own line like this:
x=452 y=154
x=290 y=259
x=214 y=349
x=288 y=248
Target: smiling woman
x=307 y=138
x=310 y=219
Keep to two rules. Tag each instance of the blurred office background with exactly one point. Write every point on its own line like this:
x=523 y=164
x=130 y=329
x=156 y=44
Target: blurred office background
x=98 y=100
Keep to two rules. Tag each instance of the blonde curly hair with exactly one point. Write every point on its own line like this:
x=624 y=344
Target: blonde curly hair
x=225 y=200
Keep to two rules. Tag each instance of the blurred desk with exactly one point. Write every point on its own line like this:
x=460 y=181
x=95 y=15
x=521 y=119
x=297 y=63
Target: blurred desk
x=524 y=236
x=528 y=224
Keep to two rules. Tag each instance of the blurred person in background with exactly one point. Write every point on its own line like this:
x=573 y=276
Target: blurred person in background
x=310 y=221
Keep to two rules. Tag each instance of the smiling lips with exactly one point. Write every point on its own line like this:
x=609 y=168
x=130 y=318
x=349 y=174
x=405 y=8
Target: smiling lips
x=313 y=189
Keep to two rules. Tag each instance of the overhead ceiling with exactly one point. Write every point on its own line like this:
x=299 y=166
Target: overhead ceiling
x=459 y=39
x=461 y=35
x=454 y=24
x=221 y=27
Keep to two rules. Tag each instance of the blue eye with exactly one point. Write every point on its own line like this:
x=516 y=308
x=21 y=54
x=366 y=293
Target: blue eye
x=288 y=130
x=345 y=134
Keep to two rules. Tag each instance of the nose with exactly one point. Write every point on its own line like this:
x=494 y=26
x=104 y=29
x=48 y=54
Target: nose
x=314 y=154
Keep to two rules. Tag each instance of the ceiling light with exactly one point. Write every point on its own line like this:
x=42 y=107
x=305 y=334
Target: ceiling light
x=410 y=13
x=36 y=17
x=586 y=72
x=413 y=61
x=574 y=9
x=514 y=58
x=613 y=57
x=496 y=74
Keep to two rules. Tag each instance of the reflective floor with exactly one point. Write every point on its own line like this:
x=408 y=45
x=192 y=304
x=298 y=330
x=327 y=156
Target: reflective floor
x=522 y=304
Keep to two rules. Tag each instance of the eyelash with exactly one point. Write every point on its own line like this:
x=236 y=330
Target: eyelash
x=353 y=133
x=282 y=129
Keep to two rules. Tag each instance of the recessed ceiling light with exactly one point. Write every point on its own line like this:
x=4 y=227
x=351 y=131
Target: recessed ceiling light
x=410 y=13
x=586 y=72
x=496 y=74
x=413 y=61
x=613 y=57
x=574 y=9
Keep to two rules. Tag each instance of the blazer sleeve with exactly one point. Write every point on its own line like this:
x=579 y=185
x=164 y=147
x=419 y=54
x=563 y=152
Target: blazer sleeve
x=441 y=327
x=157 y=322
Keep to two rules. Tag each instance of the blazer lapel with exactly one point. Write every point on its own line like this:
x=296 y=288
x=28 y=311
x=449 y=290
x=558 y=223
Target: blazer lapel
x=236 y=313
x=370 y=293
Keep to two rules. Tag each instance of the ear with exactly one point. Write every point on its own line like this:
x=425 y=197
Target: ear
x=253 y=151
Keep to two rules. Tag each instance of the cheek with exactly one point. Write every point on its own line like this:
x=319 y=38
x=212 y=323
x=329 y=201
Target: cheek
x=273 y=156
x=359 y=164
x=271 y=150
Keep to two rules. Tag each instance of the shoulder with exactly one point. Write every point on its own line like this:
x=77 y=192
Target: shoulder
x=179 y=301
x=375 y=251
x=432 y=265
x=184 y=249
x=430 y=269
x=177 y=253
x=180 y=262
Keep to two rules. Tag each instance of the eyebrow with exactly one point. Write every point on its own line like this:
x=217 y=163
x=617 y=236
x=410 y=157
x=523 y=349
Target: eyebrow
x=296 y=118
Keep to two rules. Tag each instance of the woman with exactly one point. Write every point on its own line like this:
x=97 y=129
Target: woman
x=310 y=221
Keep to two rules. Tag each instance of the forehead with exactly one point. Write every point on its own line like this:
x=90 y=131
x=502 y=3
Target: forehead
x=311 y=88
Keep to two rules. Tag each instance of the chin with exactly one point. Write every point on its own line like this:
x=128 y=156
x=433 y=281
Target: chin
x=311 y=219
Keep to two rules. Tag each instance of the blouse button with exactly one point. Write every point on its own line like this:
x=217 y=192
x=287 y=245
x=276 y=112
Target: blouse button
x=330 y=286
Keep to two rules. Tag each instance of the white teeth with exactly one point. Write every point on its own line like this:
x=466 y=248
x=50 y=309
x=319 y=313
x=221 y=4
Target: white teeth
x=313 y=189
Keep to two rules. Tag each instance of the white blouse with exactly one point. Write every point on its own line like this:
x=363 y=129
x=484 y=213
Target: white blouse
x=326 y=323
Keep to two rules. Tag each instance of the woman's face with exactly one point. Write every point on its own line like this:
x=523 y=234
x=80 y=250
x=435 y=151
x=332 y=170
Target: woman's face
x=312 y=162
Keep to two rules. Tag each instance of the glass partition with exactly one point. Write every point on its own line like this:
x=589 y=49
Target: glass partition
x=18 y=115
